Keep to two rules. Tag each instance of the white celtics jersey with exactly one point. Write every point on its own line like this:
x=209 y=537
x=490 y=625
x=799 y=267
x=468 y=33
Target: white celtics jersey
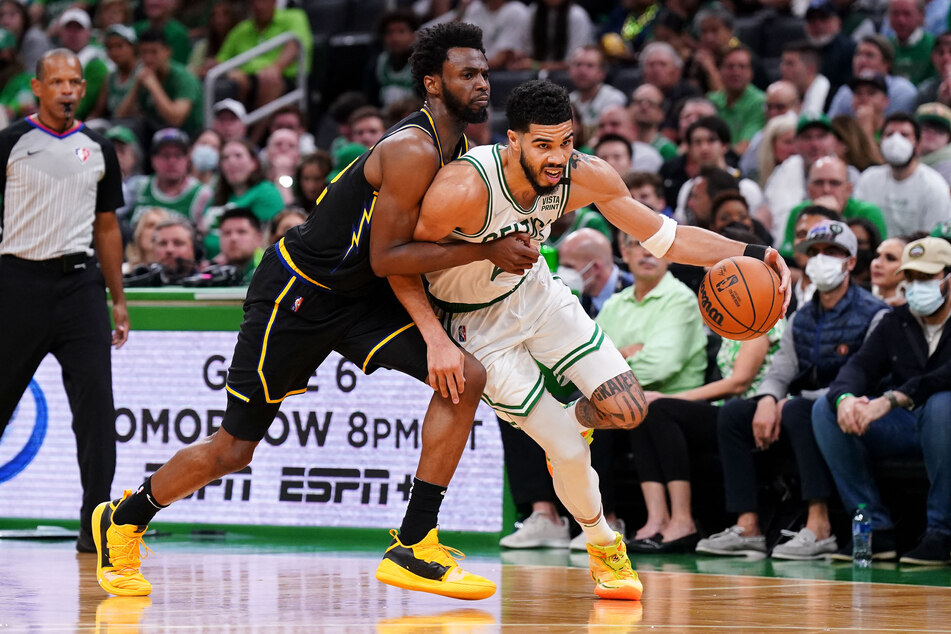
x=478 y=284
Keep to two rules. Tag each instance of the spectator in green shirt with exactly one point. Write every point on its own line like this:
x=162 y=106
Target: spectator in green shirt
x=16 y=96
x=158 y=15
x=167 y=94
x=270 y=75
x=912 y=43
x=740 y=103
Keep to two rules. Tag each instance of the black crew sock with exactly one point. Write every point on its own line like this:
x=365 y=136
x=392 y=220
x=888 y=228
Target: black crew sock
x=422 y=511
x=139 y=508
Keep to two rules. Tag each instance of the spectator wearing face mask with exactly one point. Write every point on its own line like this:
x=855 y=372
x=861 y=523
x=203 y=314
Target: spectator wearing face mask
x=204 y=156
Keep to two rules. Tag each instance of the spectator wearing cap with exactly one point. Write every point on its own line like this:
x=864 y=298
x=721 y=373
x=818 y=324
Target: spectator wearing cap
x=935 y=147
x=16 y=95
x=31 y=41
x=938 y=87
x=171 y=187
x=909 y=353
x=165 y=92
x=824 y=31
x=869 y=103
x=786 y=186
x=912 y=42
x=75 y=35
x=269 y=75
x=818 y=340
x=875 y=54
x=122 y=49
x=799 y=65
x=587 y=69
x=159 y=16
x=912 y=196
x=740 y=104
x=230 y=120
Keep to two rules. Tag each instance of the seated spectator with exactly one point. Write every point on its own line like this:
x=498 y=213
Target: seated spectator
x=912 y=196
x=617 y=120
x=854 y=146
x=875 y=54
x=616 y=151
x=279 y=224
x=229 y=120
x=740 y=104
x=935 y=147
x=31 y=41
x=551 y=48
x=340 y=110
x=781 y=98
x=204 y=156
x=647 y=112
x=938 y=87
x=164 y=91
x=778 y=144
x=591 y=96
x=291 y=118
x=799 y=65
x=389 y=76
x=886 y=280
x=648 y=189
x=828 y=184
x=129 y=155
x=807 y=218
x=121 y=43
x=692 y=109
x=837 y=319
x=270 y=75
x=680 y=426
x=824 y=31
x=714 y=24
x=910 y=354
x=75 y=34
x=113 y=12
x=586 y=253
x=242 y=184
x=140 y=251
x=310 y=179
x=176 y=248
x=503 y=23
x=912 y=42
x=868 y=238
x=223 y=17
x=159 y=17
x=281 y=155
x=171 y=187
x=241 y=241
x=367 y=126
x=729 y=209
x=869 y=103
x=663 y=68
x=935 y=18
x=16 y=95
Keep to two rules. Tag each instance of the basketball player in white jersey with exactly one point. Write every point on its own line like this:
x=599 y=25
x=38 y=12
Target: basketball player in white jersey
x=509 y=321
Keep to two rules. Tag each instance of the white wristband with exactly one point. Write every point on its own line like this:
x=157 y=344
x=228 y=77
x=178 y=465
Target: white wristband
x=659 y=243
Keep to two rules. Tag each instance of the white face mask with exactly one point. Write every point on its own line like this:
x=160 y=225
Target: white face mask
x=897 y=150
x=827 y=272
x=924 y=296
x=820 y=41
x=573 y=278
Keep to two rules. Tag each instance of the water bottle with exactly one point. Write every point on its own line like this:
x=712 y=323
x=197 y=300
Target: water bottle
x=861 y=538
x=550 y=254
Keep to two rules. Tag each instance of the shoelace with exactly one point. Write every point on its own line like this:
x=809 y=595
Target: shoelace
x=794 y=534
x=447 y=551
x=125 y=559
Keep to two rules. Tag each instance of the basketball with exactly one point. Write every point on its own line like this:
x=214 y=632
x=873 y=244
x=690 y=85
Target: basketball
x=740 y=299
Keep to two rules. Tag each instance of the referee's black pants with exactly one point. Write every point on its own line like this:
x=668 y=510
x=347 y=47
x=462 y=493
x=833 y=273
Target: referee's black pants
x=48 y=311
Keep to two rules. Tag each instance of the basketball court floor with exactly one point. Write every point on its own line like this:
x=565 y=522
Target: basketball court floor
x=234 y=584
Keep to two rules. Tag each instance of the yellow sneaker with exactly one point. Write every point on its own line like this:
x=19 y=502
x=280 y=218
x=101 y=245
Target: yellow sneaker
x=587 y=434
x=118 y=550
x=612 y=573
x=430 y=567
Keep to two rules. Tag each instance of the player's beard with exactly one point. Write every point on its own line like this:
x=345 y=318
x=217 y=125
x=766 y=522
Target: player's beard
x=463 y=112
x=540 y=190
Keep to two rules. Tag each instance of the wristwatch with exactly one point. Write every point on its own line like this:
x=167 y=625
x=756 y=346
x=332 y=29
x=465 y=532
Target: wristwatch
x=892 y=399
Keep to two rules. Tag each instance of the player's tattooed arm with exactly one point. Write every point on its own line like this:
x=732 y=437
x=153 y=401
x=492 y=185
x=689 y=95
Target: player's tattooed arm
x=618 y=403
x=577 y=158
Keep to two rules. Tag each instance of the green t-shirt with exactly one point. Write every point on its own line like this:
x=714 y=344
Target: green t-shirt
x=95 y=73
x=746 y=116
x=914 y=61
x=17 y=95
x=119 y=89
x=263 y=199
x=191 y=203
x=853 y=209
x=175 y=34
x=664 y=146
x=246 y=36
x=178 y=84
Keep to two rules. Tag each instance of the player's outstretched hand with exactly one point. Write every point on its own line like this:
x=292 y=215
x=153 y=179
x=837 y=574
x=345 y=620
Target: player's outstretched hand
x=446 y=362
x=778 y=264
x=514 y=253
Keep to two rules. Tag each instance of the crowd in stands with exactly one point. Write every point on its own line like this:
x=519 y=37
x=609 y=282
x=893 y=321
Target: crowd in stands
x=820 y=127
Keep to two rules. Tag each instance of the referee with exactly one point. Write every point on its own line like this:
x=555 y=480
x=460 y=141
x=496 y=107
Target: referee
x=61 y=184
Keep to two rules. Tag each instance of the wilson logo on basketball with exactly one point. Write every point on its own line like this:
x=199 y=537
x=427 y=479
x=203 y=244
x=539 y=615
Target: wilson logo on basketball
x=712 y=313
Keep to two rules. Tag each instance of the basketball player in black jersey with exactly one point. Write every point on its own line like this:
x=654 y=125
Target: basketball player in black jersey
x=319 y=290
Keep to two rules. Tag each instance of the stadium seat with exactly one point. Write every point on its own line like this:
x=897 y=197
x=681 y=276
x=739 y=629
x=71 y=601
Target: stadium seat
x=627 y=79
x=327 y=17
x=504 y=81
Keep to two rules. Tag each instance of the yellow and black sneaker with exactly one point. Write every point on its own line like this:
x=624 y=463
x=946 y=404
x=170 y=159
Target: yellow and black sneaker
x=587 y=434
x=611 y=570
x=430 y=567
x=118 y=550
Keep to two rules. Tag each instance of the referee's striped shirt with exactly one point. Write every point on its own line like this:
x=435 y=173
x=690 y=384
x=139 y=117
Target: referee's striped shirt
x=53 y=186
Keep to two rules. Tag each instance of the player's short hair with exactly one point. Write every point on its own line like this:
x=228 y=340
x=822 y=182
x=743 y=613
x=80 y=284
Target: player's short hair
x=241 y=212
x=432 y=45
x=537 y=101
